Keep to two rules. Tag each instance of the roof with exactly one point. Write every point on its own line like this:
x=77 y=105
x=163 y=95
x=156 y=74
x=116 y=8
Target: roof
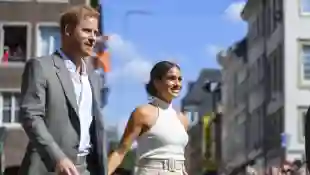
x=248 y=8
x=238 y=50
x=196 y=93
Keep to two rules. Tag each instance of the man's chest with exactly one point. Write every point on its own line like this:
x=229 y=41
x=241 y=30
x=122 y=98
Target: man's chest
x=84 y=98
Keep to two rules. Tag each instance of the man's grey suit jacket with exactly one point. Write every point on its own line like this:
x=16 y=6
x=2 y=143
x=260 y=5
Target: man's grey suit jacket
x=49 y=115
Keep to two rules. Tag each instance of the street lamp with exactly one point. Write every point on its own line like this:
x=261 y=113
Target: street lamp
x=213 y=87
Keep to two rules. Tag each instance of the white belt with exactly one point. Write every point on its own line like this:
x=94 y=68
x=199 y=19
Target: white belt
x=171 y=165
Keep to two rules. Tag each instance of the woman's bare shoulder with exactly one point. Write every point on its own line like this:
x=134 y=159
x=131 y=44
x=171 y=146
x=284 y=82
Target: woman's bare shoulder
x=143 y=113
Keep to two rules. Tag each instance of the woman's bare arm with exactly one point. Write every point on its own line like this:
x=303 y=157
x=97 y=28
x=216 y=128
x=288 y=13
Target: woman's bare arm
x=132 y=131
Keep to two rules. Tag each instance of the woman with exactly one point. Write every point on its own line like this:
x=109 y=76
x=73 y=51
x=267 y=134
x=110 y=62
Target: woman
x=158 y=129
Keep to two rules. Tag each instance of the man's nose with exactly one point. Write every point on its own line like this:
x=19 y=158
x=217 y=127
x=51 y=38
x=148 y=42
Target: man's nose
x=92 y=36
x=92 y=40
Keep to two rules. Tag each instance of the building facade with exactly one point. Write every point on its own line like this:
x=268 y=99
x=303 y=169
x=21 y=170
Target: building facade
x=278 y=48
x=296 y=74
x=234 y=106
x=28 y=28
x=197 y=103
x=266 y=79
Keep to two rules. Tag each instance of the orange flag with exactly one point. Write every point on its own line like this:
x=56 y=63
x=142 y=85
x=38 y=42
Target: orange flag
x=104 y=60
x=103 y=55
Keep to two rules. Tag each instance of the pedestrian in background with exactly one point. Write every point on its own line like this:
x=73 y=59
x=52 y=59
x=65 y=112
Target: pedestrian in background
x=307 y=138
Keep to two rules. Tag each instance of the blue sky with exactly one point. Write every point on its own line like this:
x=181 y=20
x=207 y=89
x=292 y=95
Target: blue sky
x=187 y=33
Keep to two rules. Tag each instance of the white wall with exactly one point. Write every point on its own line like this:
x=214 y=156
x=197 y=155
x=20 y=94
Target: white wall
x=296 y=27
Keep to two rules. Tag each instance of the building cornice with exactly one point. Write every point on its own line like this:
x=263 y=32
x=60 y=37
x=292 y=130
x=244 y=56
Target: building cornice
x=222 y=57
x=249 y=9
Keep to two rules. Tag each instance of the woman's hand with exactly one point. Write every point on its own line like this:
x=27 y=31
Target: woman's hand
x=133 y=129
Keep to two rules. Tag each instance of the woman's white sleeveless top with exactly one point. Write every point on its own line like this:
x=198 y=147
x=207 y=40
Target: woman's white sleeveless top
x=166 y=139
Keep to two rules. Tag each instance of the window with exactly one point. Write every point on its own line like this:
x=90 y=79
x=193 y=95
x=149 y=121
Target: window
x=276 y=14
x=10 y=107
x=7 y=102
x=239 y=133
x=274 y=128
x=191 y=114
x=280 y=65
x=305 y=6
x=48 y=40
x=276 y=70
x=254 y=30
x=302 y=112
x=305 y=62
x=15 y=44
x=256 y=73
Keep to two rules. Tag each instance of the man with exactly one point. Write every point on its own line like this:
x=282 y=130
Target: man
x=60 y=104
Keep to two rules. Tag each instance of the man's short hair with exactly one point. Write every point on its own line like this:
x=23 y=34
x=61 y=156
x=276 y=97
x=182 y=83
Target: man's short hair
x=72 y=16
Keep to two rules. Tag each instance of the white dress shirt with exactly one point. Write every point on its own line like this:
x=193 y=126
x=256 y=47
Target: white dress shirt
x=83 y=93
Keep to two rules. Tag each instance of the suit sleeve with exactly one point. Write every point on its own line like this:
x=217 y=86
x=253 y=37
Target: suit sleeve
x=307 y=138
x=32 y=114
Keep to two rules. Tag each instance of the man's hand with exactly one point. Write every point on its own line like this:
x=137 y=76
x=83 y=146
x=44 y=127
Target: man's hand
x=66 y=167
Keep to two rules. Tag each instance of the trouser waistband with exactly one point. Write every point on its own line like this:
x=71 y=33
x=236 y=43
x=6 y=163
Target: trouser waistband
x=164 y=164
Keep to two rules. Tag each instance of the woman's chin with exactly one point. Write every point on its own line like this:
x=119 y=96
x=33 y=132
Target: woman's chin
x=175 y=93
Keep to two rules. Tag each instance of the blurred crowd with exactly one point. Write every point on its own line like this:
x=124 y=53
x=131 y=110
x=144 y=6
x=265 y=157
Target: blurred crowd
x=288 y=168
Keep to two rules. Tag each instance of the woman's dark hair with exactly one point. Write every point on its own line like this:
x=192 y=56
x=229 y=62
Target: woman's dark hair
x=158 y=71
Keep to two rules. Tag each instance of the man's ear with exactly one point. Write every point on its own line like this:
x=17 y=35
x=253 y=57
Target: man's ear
x=68 y=30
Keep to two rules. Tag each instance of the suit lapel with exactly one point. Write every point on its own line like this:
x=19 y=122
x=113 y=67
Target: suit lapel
x=65 y=80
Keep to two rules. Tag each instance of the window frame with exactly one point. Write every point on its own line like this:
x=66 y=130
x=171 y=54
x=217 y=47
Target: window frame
x=28 y=26
x=191 y=113
x=301 y=123
x=12 y=124
x=53 y=1
x=38 y=33
x=16 y=0
x=301 y=11
x=302 y=83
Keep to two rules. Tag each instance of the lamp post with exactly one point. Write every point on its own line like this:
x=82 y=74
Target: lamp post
x=214 y=87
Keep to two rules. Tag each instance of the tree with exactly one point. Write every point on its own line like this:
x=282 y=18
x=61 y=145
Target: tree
x=94 y=3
